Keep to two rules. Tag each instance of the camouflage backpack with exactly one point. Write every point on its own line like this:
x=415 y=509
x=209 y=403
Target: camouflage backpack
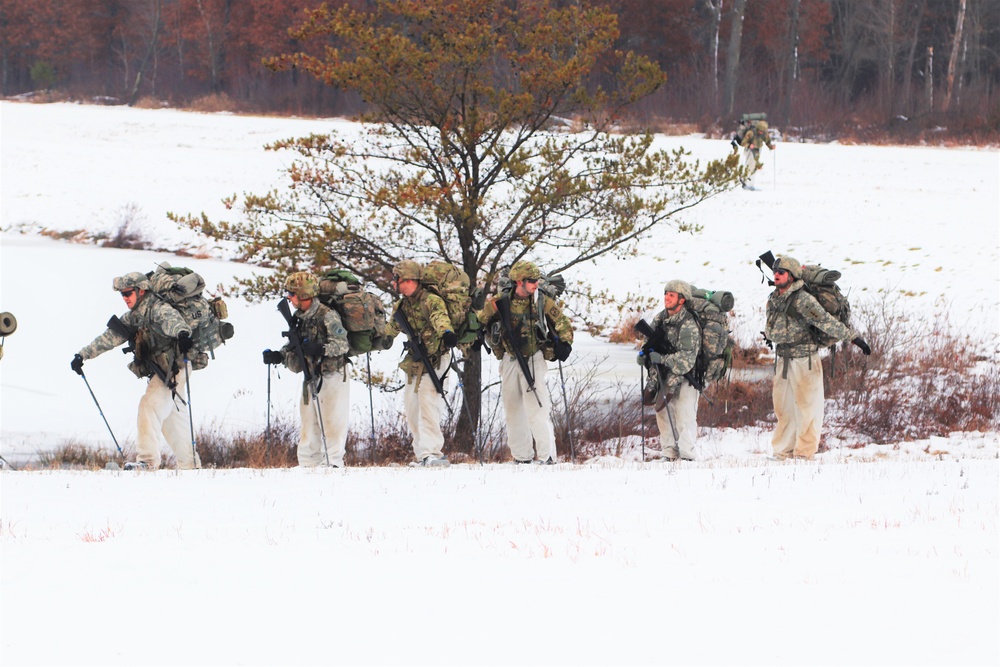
x=361 y=312
x=182 y=288
x=452 y=284
x=711 y=312
x=822 y=284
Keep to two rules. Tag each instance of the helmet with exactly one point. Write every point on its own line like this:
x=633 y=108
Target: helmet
x=408 y=270
x=680 y=287
x=523 y=269
x=789 y=264
x=302 y=284
x=134 y=280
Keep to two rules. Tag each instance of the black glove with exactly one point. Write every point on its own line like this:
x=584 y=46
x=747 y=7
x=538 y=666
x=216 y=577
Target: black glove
x=449 y=339
x=860 y=342
x=273 y=357
x=184 y=342
x=311 y=348
x=561 y=350
x=387 y=342
x=77 y=364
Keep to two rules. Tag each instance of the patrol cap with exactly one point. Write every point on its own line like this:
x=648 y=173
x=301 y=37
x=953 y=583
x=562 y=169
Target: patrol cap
x=789 y=264
x=302 y=284
x=407 y=270
x=680 y=287
x=133 y=280
x=523 y=269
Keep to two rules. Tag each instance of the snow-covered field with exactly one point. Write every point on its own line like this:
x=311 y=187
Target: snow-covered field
x=881 y=555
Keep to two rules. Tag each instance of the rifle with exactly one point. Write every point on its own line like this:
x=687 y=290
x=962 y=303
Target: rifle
x=503 y=308
x=417 y=349
x=767 y=259
x=656 y=341
x=127 y=332
x=294 y=337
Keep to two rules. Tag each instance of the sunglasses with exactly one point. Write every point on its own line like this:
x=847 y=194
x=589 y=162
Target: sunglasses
x=127 y=293
x=531 y=280
x=777 y=271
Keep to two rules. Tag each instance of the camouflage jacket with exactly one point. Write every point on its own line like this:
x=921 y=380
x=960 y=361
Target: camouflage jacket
x=754 y=137
x=157 y=325
x=428 y=316
x=789 y=316
x=682 y=331
x=529 y=329
x=323 y=325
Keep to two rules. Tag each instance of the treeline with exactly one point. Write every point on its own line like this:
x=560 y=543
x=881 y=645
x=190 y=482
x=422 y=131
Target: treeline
x=814 y=64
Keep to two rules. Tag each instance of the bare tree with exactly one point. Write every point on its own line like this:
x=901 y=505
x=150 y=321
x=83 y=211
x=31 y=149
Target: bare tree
x=956 y=43
x=733 y=56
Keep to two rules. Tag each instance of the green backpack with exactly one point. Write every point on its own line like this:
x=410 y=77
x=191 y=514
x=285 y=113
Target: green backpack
x=361 y=312
x=452 y=284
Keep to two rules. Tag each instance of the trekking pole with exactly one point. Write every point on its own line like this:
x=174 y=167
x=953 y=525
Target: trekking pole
x=115 y=440
x=8 y=463
x=642 y=412
x=673 y=429
x=569 y=415
x=187 y=388
x=319 y=417
x=267 y=430
x=371 y=408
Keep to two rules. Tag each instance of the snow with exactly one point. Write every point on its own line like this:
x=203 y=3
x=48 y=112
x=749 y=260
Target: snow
x=886 y=554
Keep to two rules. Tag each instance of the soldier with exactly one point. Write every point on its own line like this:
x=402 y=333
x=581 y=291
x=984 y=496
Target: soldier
x=540 y=332
x=678 y=420
x=428 y=318
x=161 y=342
x=798 y=387
x=750 y=136
x=324 y=348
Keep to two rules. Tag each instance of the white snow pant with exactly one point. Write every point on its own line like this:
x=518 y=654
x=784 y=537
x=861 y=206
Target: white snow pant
x=798 y=405
x=752 y=167
x=423 y=406
x=162 y=418
x=526 y=419
x=335 y=406
x=684 y=409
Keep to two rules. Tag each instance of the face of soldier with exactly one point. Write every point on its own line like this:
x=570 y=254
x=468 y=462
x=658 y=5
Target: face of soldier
x=406 y=286
x=782 y=278
x=301 y=304
x=672 y=301
x=131 y=297
x=527 y=287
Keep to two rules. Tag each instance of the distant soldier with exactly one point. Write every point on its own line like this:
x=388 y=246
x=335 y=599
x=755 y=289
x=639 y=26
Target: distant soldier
x=798 y=379
x=428 y=317
x=680 y=415
x=540 y=331
x=324 y=348
x=161 y=340
x=751 y=135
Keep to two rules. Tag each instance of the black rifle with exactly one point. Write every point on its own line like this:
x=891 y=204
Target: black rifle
x=294 y=336
x=417 y=349
x=127 y=332
x=767 y=259
x=503 y=309
x=656 y=341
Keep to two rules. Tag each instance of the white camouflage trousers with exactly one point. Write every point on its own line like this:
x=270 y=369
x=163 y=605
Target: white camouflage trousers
x=526 y=419
x=798 y=405
x=423 y=406
x=162 y=418
x=684 y=409
x=752 y=167
x=335 y=406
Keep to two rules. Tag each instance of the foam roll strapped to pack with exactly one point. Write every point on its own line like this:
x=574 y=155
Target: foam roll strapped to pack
x=724 y=301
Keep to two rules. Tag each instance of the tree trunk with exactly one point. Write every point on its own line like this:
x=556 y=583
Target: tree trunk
x=929 y=79
x=908 y=102
x=713 y=49
x=733 y=57
x=791 y=75
x=953 y=60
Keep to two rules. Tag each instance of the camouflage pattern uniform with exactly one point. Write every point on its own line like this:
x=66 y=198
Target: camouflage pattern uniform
x=423 y=405
x=526 y=419
x=798 y=388
x=751 y=137
x=162 y=417
x=683 y=333
x=323 y=325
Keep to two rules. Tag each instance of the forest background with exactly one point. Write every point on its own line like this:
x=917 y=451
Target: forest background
x=873 y=71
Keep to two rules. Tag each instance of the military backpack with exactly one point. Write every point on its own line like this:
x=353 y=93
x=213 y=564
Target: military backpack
x=183 y=289
x=822 y=284
x=361 y=312
x=452 y=284
x=711 y=312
